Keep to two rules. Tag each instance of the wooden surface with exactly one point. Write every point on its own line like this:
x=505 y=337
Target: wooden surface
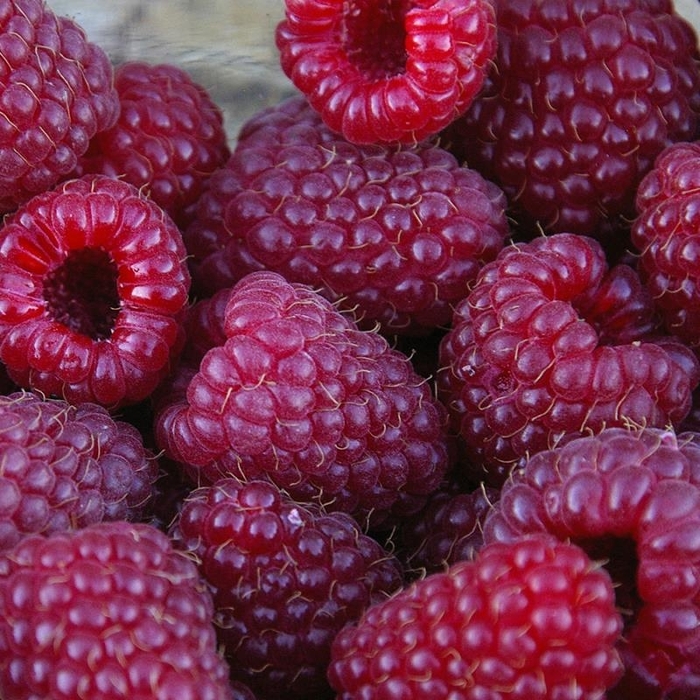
x=226 y=45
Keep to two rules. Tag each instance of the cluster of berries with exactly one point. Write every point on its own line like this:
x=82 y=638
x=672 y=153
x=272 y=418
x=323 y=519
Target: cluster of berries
x=395 y=396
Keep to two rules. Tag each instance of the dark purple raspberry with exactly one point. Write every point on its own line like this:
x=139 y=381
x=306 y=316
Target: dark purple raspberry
x=285 y=577
x=531 y=620
x=396 y=71
x=93 y=283
x=56 y=93
x=66 y=467
x=580 y=100
x=396 y=233
x=168 y=140
x=109 y=611
x=631 y=497
x=666 y=234
x=298 y=394
x=552 y=341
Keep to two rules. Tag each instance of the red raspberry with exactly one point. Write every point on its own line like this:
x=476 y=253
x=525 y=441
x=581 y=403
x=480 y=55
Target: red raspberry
x=93 y=281
x=389 y=71
x=531 y=620
x=65 y=467
x=580 y=101
x=551 y=341
x=285 y=578
x=56 y=93
x=666 y=233
x=110 y=611
x=168 y=140
x=300 y=395
x=396 y=233
x=636 y=486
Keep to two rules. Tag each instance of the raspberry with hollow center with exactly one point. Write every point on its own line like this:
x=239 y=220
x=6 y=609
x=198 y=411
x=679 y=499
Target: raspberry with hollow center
x=631 y=497
x=94 y=285
x=531 y=620
x=552 y=341
x=396 y=71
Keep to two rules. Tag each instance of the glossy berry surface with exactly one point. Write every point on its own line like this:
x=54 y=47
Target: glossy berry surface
x=551 y=341
x=300 y=395
x=580 y=101
x=636 y=486
x=66 y=467
x=169 y=137
x=285 y=577
x=93 y=282
x=56 y=93
x=666 y=235
x=110 y=611
x=395 y=233
x=531 y=620
x=395 y=71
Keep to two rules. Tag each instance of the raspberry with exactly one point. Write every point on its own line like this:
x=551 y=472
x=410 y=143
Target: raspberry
x=110 y=611
x=396 y=233
x=531 y=620
x=298 y=394
x=285 y=578
x=666 y=234
x=169 y=137
x=390 y=71
x=637 y=486
x=66 y=467
x=552 y=341
x=93 y=281
x=580 y=101
x=56 y=93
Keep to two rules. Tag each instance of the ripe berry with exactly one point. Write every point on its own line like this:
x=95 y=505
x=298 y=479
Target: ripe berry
x=168 y=140
x=93 y=281
x=631 y=497
x=56 y=93
x=580 y=100
x=391 y=71
x=298 y=394
x=666 y=233
x=109 y=611
x=285 y=577
x=66 y=467
x=396 y=233
x=551 y=341
x=531 y=620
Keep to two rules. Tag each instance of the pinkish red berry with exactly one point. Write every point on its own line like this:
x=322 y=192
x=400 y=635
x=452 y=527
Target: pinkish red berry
x=631 y=498
x=109 y=611
x=285 y=577
x=168 y=140
x=93 y=283
x=387 y=72
x=298 y=394
x=531 y=620
x=56 y=93
x=395 y=233
x=551 y=341
x=580 y=100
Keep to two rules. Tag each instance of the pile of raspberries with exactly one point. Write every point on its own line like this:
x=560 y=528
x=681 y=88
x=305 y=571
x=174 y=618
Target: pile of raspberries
x=394 y=394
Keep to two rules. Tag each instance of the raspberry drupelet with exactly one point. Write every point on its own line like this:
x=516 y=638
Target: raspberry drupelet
x=632 y=499
x=580 y=100
x=285 y=578
x=300 y=395
x=550 y=341
x=56 y=93
x=93 y=284
x=394 y=71
x=397 y=233
x=533 y=619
